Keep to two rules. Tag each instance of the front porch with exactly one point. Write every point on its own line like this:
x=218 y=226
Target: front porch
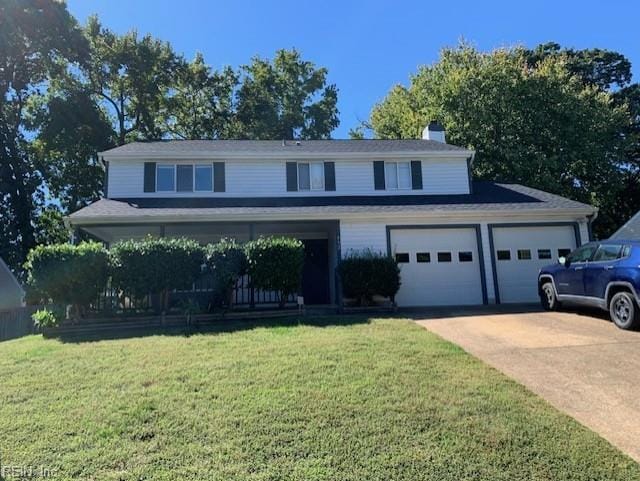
x=321 y=241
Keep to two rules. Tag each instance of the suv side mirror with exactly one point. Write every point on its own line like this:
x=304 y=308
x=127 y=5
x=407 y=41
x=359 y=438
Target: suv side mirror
x=564 y=261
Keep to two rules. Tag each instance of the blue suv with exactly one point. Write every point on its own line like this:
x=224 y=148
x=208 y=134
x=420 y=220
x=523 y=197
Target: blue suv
x=604 y=274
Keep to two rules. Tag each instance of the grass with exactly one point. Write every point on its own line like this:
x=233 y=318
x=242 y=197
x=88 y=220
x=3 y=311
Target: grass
x=377 y=400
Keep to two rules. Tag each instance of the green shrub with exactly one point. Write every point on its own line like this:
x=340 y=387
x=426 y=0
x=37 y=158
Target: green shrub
x=365 y=274
x=156 y=266
x=67 y=274
x=275 y=264
x=44 y=318
x=227 y=261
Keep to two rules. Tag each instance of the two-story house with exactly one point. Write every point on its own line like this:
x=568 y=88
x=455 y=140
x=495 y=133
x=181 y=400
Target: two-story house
x=457 y=241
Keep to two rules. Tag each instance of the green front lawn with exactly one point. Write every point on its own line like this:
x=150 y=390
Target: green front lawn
x=379 y=400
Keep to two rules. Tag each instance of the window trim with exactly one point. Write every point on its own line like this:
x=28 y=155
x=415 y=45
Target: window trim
x=309 y=163
x=195 y=167
x=397 y=169
x=618 y=257
x=175 y=177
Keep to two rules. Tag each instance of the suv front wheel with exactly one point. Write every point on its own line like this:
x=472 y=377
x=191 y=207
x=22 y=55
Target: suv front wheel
x=623 y=310
x=548 y=297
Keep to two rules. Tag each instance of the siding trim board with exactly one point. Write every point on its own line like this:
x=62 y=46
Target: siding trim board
x=490 y=227
x=476 y=227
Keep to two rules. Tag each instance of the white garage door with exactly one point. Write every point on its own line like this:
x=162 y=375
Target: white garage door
x=438 y=266
x=519 y=252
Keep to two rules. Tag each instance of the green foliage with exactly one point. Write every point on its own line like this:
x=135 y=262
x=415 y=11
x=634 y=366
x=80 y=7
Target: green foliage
x=227 y=261
x=38 y=40
x=285 y=99
x=539 y=119
x=45 y=318
x=199 y=102
x=130 y=76
x=156 y=265
x=50 y=228
x=67 y=274
x=365 y=274
x=275 y=264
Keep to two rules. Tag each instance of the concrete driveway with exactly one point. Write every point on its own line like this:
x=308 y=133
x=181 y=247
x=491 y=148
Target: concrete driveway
x=579 y=362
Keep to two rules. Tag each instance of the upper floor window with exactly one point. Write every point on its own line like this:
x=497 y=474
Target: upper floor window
x=203 y=178
x=310 y=176
x=184 y=178
x=397 y=175
x=166 y=178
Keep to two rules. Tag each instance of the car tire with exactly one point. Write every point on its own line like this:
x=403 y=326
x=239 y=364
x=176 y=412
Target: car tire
x=624 y=311
x=548 y=297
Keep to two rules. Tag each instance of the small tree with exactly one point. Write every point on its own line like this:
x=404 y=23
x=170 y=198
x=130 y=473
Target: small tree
x=67 y=274
x=275 y=263
x=156 y=266
x=365 y=274
x=227 y=261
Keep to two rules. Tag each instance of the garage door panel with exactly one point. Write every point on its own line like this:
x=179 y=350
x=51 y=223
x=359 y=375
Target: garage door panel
x=520 y=252
x=437 y=282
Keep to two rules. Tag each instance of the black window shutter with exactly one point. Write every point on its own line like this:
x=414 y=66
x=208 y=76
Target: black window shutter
x=219 y=183
x=292 y=176
x=149 y=176
x=416 y=175
x=329 y=176
x=378 y=175
x=184 y=181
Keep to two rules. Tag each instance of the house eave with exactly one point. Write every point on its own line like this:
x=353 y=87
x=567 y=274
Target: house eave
x=198 y=155
x=291 y=214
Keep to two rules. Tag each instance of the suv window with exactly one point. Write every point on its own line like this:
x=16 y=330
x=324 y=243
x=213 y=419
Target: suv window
x=607 y=252
x=582 y=254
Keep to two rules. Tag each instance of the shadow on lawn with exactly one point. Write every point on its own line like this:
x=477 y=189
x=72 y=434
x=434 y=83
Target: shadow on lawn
x=216 y=327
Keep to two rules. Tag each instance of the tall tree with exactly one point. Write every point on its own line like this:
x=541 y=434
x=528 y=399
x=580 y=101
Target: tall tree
x=285 y=99
x=538 y=125
x=609 y=72
x=129 y=76
x=199 y=103
x=71 y=130
x=38 y=39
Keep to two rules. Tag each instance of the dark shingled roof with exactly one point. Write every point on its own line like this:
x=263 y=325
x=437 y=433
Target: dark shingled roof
x=485 y=196
x=278 y=146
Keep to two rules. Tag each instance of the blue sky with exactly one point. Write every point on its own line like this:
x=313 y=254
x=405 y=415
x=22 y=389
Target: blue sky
x=368 y=46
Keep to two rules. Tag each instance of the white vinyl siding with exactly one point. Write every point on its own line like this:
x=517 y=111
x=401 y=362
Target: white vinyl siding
x=268 y=179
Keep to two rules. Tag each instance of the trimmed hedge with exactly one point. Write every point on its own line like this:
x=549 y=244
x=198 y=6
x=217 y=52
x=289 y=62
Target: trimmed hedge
x=227 y=261
x=67 y=274
x=156 y=266
x=365 y=274
x=275 y=264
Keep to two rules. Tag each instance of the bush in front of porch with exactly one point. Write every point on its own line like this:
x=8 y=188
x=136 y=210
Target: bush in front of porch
x=275 y=264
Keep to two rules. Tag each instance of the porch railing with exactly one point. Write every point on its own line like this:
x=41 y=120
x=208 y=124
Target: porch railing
x=203 y=290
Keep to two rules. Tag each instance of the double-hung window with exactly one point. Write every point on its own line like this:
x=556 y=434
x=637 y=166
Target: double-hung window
x=166 y=178
x=397 y=175
x=184 y=178
x=310 y=176
x=203 y=178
